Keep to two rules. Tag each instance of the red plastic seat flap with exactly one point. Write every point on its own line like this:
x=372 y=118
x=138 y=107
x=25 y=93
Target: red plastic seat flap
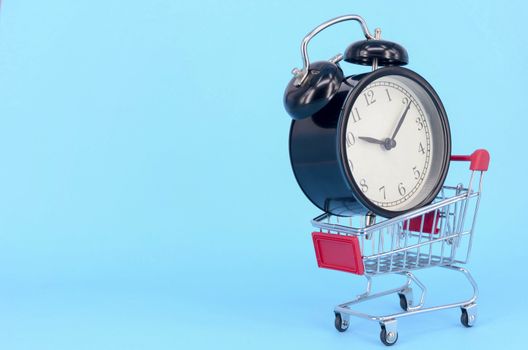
x=415 y=224
x=338 y=252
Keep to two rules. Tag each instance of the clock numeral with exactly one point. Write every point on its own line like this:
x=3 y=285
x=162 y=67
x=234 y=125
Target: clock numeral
x=388 y=95
x=382 y=189
x=405 y=101
x=416 y=173
x=420 y=123
x=363 y=185
x=355 y=116
x=369 y=97
x=421 y=148
x=350 y=139
x=350 y=165
x=401 y=189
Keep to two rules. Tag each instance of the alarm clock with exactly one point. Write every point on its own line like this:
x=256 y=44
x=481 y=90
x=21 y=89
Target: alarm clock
x=376 y=142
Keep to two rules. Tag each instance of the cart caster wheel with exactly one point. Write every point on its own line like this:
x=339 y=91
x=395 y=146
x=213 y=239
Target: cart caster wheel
x=468 y=316
x=406 y=299
x=403 y=301
x=388 y=338
x=340 y=324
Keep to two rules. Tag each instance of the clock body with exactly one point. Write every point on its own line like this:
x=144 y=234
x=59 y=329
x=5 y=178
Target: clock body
x=382 y=144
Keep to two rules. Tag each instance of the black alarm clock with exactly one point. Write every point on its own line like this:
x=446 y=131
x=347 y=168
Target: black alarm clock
x=375 y=142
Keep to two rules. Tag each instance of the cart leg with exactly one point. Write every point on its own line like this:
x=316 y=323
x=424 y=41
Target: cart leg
x=389 y=332
x=469 y=315
x=406 y=296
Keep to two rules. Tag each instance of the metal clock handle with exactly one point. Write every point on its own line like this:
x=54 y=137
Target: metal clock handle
x=301 y=74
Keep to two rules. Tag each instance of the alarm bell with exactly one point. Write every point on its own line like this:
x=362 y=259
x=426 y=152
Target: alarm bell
x=314 y=86
x=387 y=53
x=303 y=99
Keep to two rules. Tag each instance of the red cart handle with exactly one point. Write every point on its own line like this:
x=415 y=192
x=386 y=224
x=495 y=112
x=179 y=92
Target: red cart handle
x=479 y=160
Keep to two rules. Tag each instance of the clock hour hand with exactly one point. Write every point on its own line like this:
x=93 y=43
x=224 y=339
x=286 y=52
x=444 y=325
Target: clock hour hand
x=400 y=122
x=387 y=143
x=371 y=140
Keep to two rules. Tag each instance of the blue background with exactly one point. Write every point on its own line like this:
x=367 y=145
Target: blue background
x=146 y=196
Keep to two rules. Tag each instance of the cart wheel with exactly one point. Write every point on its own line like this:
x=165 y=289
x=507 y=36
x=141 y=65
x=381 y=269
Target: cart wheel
x=339 y=324
x=389 y=338
x=406 y=298
x=403 y=301
x=469 y=315
x=466 y=319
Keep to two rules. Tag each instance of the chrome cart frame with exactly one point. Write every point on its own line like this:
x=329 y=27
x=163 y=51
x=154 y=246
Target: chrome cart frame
x=439 y=234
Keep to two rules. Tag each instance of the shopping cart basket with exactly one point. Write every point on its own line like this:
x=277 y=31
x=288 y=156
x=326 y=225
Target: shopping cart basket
x=439 y=234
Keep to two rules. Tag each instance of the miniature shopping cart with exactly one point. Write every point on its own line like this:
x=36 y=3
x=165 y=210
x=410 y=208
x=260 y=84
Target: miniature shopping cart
x=439 y=234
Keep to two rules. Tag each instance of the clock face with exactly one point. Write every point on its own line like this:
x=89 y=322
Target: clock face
x=395 y=147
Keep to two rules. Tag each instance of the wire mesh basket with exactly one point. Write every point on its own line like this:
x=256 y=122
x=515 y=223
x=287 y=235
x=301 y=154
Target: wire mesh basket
x=439 y=234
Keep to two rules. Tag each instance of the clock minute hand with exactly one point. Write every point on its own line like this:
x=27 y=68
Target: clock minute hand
x=400 y=122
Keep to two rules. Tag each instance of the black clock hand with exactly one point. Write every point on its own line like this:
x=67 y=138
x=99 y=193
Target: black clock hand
x=400 y=122
x=387 y=143
x=371 y=140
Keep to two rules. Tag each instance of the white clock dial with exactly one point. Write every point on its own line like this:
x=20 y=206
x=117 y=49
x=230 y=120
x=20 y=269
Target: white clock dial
x=390 y=143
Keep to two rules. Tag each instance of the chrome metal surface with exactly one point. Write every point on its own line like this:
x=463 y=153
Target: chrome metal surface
x=337 y=58
x=377 y=36
x=400 y=245
x=345 y=307
x=301 y=74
